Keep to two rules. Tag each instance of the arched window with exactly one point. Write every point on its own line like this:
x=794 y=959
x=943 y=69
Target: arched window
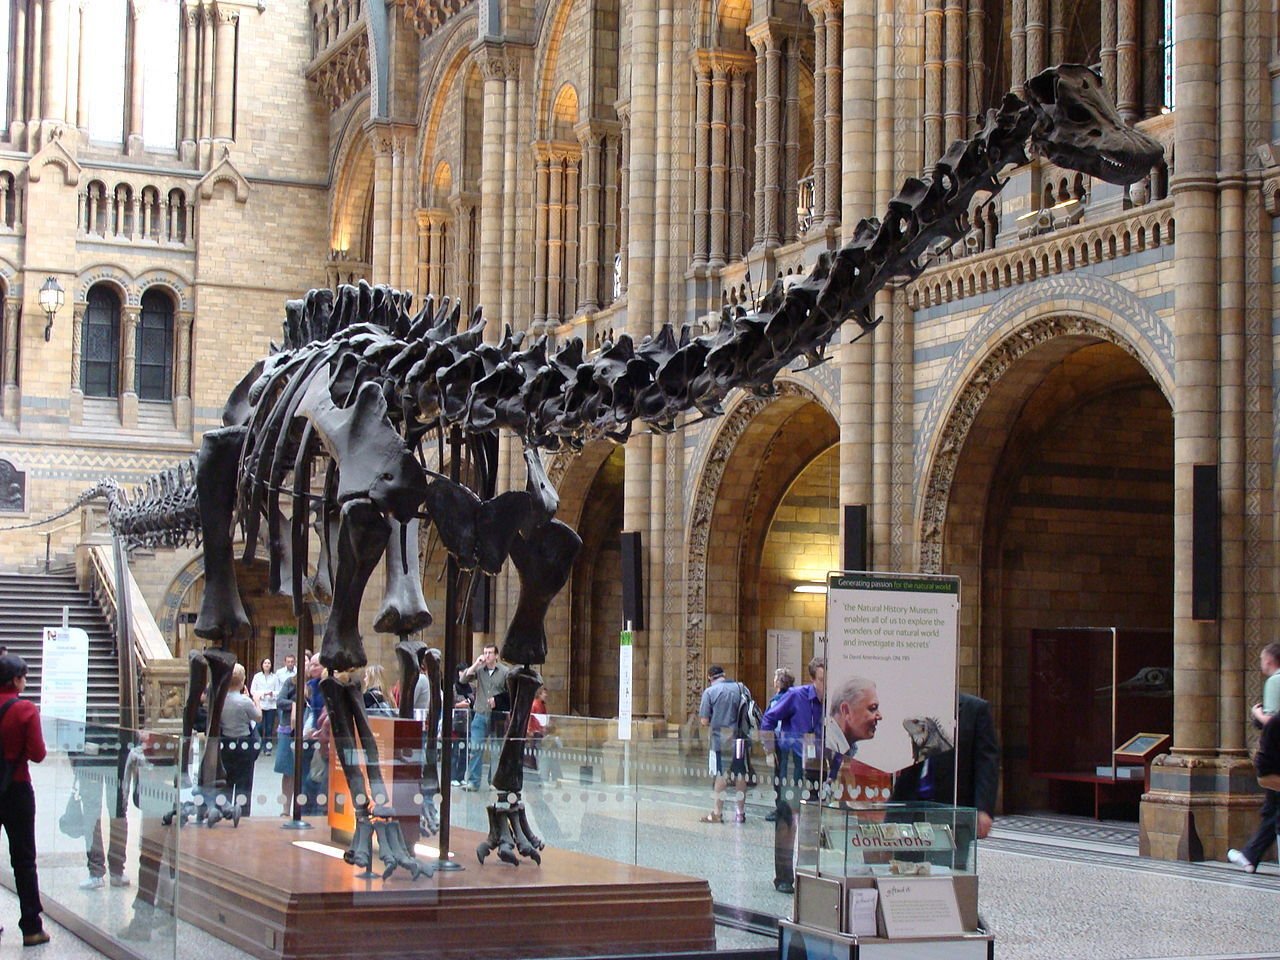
x=155 y=347
x=100 y=350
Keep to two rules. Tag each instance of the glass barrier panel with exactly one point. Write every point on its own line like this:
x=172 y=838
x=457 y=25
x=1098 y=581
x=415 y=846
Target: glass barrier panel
x=105 y=838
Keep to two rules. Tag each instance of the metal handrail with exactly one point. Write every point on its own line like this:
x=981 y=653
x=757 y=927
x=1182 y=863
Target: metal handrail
x=48 y=540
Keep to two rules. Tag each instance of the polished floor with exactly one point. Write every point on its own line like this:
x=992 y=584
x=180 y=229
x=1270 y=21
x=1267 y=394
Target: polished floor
x=1051 y=887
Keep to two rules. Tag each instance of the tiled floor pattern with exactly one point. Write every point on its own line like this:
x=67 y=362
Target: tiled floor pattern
x=1051 y=888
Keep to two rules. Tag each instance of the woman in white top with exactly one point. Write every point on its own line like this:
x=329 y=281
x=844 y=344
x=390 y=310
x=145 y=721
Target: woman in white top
x=263 y=689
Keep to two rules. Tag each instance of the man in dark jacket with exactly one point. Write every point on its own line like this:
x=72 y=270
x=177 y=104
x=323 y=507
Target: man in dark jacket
x=22 y=743
x=973 y=779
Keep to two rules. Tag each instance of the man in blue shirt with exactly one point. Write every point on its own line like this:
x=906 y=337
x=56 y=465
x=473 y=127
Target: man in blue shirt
x=795 y=719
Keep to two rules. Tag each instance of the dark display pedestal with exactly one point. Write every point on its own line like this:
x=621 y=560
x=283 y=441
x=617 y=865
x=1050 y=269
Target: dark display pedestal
x=256 y=888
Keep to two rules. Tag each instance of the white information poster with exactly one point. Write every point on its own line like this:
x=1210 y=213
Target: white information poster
x=783 y=649
x=285 y=645
x=64 y=685
x=624 y=685
x=891 y=669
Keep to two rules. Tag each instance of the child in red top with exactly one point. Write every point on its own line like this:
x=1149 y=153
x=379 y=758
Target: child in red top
x=22 y=743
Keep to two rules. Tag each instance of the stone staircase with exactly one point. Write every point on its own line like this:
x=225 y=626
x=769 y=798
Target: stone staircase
x=30 y=602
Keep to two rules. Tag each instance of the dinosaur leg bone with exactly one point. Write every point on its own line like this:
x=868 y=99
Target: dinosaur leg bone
x=222 y=616
x=362 y=538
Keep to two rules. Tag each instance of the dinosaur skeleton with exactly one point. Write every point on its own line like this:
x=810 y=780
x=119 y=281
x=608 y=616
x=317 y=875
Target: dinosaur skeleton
x=361 y=382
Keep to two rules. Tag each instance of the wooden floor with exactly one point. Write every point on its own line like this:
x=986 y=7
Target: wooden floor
x=256 y=888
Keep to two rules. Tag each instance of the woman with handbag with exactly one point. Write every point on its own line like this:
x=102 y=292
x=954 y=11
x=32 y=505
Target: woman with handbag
x=239 y=740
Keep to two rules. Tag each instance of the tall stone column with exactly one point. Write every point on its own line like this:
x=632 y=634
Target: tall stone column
x=494 y=65
x=380 y=255
x=624 y=206
x=1035 y=37
x=773 y=141
x=1018 y=45
x=976 y=60
x=719 y=164
x=1182 y=815
x=56 y=38
x=791 y=145
x=738 y=241
x=10 y=396
x=701 y=161
x=542 y=207
x=129 y=367
x=555 y=242
x=224 y=73
x=182 y=369
x=1128 y=66
x=133 y=117
x=833 y=115
x=609 y=218
x=1057 y=31
x=395 y=260
x=207 y=30
x=934 y=79
x=35 y=71
x=858 y=195
x=758 y=43
x=18 y=71
x=511 y=189
x=1107 y=50
x=589 y=270
x=953 y=72
x=818 y=12
x=190 y=81
x=571 y=195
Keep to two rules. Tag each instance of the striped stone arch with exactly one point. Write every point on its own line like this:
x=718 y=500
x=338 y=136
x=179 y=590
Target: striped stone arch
x=1012 y=329
x=698 y=522
x=821 y=384
x=11 y=278
x=180 y=586
x=111 y=273
x=178 y=287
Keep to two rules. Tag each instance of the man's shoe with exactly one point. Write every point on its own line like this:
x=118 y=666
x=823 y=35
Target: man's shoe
x=93 y=883
x=35 y=939
x=1240 y=860
x=119 y=880
x=784 y=886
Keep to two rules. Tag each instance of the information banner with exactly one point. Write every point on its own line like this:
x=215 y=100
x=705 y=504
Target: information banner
x=624 y=685
x=783 y=649
x=64 y=687
x=891 y=670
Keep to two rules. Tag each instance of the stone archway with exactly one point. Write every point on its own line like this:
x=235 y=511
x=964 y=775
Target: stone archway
x=762 y=445
x=1051 y=496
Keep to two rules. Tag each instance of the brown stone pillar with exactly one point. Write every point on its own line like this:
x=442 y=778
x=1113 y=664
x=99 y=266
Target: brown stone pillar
x=953 y=72
x=129 y=367
x=791 y=143
x=977 y=62
x=12 y=312
x=182 y=369
x=1107 y=51
x=18 y=70
x=542 y=206
x=719 y=164
x=833 y=116
x=1018 y=45
x=56 y=37
x=701 y=161
x=818 y=12
x=589 y=268
x=133 y=116
x=225 y=74
x=759 y=44
x=494 y=65
x=738 y=241
x=190 y=83
x=1128 y=67
x=934 y=80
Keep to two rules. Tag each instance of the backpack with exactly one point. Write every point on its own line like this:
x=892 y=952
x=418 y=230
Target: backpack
x=7 y=766
x=749 y=715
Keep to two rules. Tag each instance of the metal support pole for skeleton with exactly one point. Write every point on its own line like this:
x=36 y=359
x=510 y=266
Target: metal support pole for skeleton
x=451 y=641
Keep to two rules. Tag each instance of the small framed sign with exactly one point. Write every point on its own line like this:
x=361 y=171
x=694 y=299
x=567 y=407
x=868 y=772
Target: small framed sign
x=1141 y=747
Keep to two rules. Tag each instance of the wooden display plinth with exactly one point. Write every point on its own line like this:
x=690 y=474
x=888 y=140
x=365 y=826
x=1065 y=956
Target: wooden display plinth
x=256 y=888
